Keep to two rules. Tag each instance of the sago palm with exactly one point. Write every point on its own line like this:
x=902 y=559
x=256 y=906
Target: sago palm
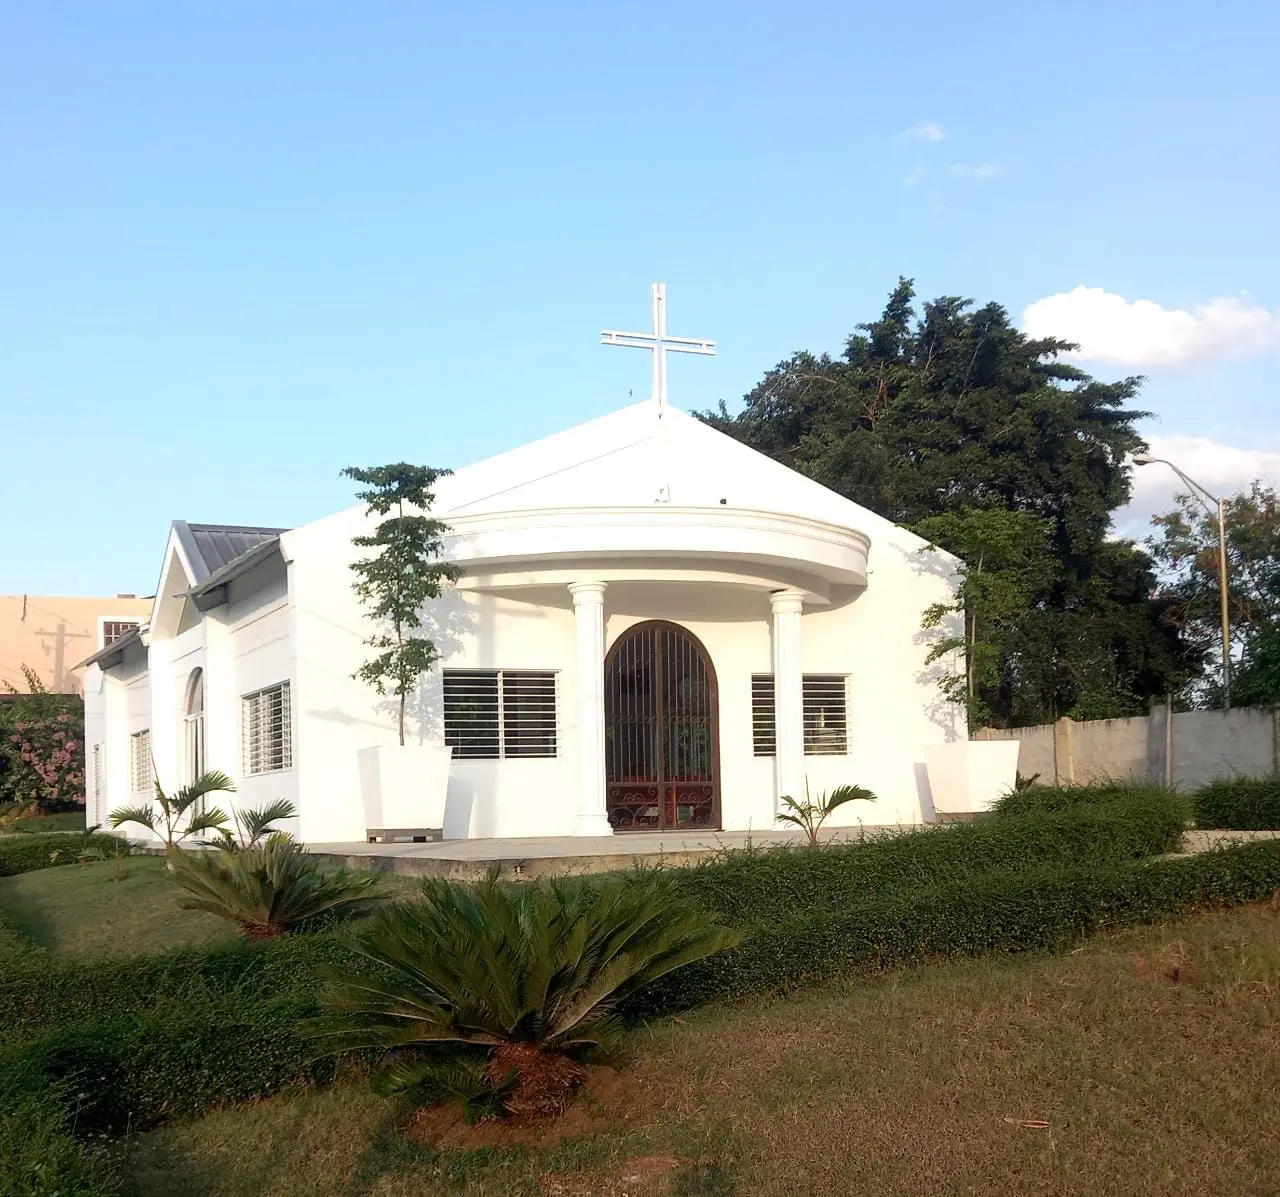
x=525 y=977
x=269 y=887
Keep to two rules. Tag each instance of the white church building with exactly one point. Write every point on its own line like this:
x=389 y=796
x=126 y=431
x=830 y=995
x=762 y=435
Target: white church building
x=655 y=628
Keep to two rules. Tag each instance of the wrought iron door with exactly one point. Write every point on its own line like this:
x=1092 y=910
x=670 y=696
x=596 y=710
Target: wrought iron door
x=661 y=721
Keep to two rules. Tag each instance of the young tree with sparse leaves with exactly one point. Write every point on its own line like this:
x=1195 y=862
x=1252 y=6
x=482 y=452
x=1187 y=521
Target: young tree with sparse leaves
x=406 y=571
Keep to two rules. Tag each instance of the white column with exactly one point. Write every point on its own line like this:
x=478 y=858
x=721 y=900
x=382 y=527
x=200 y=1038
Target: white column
x=588 y=611
x=788 y=695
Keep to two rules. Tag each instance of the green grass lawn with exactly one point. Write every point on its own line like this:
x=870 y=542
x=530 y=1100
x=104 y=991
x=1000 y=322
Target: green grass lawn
x=72 y=820
x=106 y=908
x=1154 y=1057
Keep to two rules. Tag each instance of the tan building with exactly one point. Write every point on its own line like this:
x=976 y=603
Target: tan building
x=52 y=635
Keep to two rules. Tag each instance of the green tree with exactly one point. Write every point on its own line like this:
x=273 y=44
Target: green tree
x=1185 y=545
x=404 y=573
x=1257 y=679
x=1006 y=568
x=957 y=411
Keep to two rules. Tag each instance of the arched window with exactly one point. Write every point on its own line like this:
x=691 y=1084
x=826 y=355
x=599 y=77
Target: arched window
x=193 y=724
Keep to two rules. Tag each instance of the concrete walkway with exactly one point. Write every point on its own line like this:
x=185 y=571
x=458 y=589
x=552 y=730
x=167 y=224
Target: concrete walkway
x=470 y=860
x=559 y=855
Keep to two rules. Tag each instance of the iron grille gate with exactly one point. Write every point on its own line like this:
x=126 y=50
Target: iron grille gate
x=661 y=746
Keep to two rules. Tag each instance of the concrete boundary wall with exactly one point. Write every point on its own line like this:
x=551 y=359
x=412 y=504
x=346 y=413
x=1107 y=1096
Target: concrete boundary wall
x=1188 y=751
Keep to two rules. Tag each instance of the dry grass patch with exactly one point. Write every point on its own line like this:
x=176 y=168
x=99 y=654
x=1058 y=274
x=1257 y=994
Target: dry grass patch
x=1153 y=1057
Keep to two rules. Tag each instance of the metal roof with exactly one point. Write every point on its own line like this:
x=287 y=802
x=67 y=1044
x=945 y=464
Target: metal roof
x=106 y=657
x=210 y=547
x=212 y=592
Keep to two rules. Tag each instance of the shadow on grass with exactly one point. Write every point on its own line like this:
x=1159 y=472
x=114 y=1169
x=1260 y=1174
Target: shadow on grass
x=28 y=920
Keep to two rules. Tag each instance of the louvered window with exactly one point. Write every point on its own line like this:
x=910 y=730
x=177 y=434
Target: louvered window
x=140 y=761
x=825 y=718
x=826 y=726
x=265 y=732
x=494 y=713
x=763 y=729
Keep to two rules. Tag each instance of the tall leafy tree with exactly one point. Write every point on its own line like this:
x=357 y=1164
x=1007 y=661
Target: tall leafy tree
x=401 y=576
x=1006 y=566
x=954 y=411
x=1185 y=544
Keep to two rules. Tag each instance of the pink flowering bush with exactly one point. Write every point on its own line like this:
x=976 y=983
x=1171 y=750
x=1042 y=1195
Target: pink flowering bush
x=46 y=762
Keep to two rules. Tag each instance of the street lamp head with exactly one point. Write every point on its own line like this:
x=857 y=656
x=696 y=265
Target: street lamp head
x=1143 y=459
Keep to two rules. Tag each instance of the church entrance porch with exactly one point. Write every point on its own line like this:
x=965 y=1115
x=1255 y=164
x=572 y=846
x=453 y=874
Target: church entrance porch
x=661 y=731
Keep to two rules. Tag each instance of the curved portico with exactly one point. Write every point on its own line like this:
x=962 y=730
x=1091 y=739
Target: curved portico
x=789 y=561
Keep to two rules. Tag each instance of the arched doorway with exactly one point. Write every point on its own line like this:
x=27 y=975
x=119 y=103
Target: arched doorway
x=661 y=718
x=193 y=725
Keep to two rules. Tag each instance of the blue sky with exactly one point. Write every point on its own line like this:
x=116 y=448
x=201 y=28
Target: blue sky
x=245 y=245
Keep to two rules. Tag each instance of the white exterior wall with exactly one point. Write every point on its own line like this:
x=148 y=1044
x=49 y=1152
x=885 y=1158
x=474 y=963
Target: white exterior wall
x=574 y=508
x=95 y=731
x=242 y=647
x=336 y=715
x=873 y=636
x=258 y=652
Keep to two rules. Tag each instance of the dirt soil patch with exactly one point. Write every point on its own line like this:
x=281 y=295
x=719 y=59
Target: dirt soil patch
x=607 y=1100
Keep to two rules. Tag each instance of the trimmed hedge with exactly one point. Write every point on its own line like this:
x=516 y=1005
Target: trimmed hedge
x=22 y=853
x=179 y=1059
x=776 y=885
x=1038 y=799
x=1239 y=805
x=175 y=1062
x=745 y=888
x=38 y=994
x=1011 y=912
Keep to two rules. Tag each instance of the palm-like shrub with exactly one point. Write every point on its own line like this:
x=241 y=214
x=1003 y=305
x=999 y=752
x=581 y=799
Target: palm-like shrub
x=809 y=815
x=269 y=887
x=511 y=985
x=176 y=816
x=251 y=826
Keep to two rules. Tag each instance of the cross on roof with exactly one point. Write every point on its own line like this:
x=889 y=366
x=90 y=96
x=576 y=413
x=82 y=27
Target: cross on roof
x=658 y=343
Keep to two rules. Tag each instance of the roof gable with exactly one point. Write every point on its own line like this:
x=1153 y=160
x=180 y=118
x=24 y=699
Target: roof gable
x=636 y=456
x=632 y=457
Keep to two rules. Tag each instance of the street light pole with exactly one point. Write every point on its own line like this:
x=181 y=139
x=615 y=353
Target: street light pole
x=1222 y=603
x=1213 y=505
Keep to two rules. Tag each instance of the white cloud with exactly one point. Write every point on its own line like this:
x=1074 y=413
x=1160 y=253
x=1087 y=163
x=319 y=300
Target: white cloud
x=980 y=170
x=924 y=131
x=1221 y=469
x=912 y=179
x=1108 y=328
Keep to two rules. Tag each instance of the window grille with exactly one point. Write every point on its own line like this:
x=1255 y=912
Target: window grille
x=113 y=629
x=826 y=727
x=140 y=761
x=265 y=731
x=495 y=713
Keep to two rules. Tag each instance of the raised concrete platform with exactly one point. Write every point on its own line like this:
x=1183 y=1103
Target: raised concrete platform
x=469 y=860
